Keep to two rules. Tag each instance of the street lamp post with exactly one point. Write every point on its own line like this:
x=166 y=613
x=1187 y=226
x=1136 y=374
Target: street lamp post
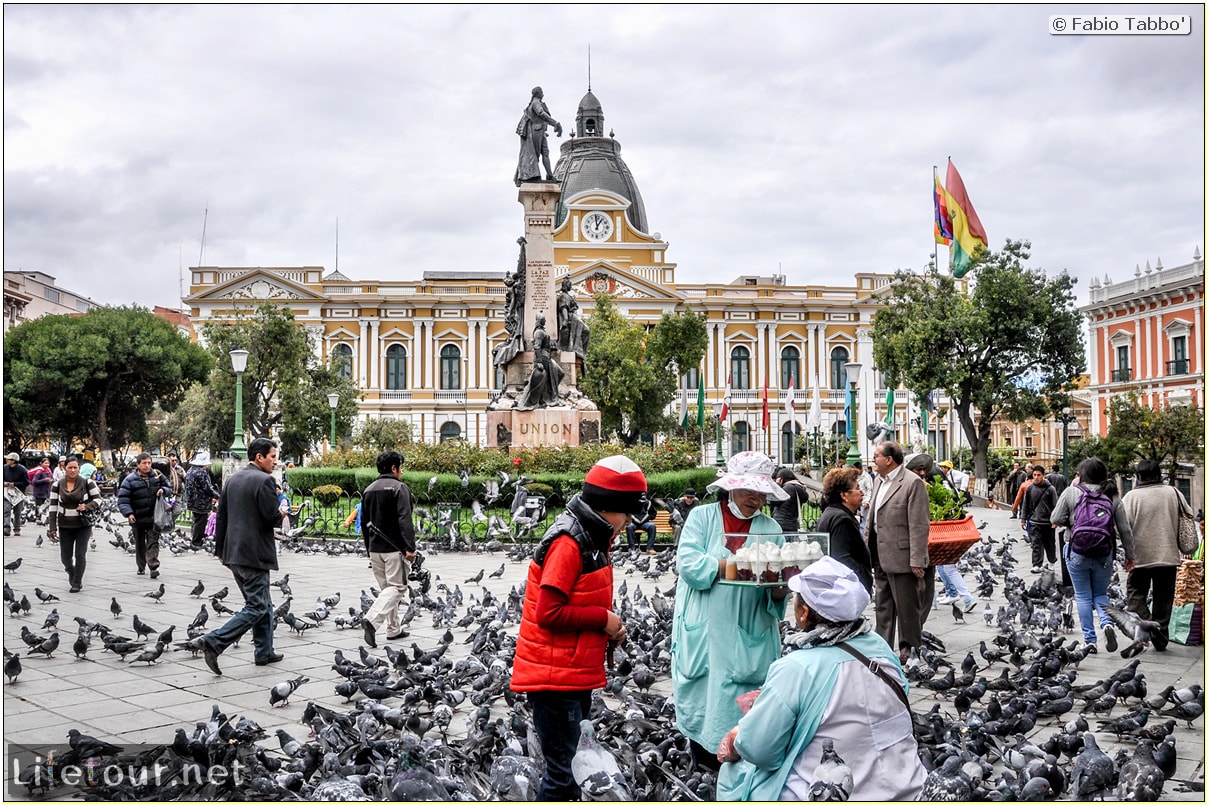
x=853 y=372
x=1066 y=417
x=239 y=363
x=333 y=400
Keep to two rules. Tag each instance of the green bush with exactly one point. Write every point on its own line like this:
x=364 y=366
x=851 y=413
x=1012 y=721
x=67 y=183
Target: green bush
x=328 y=494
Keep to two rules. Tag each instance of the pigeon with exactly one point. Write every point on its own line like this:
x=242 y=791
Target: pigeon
x=1140 y=778
x=1187 y=711
x=1141 y=631
x=200 y=619
x=947 y=783
x=222 y=594
x=497 y=573
x=12 y=668
x=88 y=746
x=959 y=616
x=166 y=636
x=150 y=656
x=52 y=620
x=281 y=692
x=477 y=577
x=24 y=606
x=832 y=777
x=115 y=608
x=13 y=566
x=156 y=594
x=45 y=597
x=285 y=580
x=1093 y=771
x=46 y=647
x=432 y=483
x=289 y=745
x=38 y=542
x=198 y=589
x=80 y=647
x=143 y=629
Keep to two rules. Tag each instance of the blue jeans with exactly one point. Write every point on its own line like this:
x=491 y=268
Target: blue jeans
x=556 y=718
x=954 y=584
x=257 y=614
x=1090 y=577
x=631 y=533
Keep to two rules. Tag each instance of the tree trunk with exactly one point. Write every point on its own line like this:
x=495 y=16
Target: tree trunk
x=979 y=437
x=102 y=435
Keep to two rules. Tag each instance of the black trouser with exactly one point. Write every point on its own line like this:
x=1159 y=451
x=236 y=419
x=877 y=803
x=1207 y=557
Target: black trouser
x=1159 y=582
x=556 y=717
x=73 y=545
x=199 y=527
x=146 y=545
x=1043 y=540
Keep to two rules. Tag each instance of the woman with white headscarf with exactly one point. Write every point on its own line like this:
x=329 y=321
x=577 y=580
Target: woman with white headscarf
x=821 y=692
x=724 y=637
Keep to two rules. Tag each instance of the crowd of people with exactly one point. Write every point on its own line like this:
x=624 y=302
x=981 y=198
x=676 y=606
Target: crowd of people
x=761 y=714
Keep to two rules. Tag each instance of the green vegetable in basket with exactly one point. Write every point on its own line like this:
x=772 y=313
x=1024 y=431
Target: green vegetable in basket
x=943 y=504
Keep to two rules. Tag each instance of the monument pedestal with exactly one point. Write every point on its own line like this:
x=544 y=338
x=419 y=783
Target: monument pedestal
x=551 y=427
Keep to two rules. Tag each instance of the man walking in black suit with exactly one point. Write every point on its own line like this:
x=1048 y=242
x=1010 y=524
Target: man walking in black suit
x=248 y=512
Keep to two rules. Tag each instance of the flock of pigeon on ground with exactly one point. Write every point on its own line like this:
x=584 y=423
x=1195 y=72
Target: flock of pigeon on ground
x=1013 y=724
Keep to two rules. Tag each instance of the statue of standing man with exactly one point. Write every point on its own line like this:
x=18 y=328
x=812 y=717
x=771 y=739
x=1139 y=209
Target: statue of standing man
x=532 y=130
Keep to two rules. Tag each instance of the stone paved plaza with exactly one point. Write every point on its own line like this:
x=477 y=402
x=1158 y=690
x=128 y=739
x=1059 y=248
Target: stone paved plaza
x=143 y=704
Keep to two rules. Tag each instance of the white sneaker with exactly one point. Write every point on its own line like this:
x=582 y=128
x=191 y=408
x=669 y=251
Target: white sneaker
x=945 y=600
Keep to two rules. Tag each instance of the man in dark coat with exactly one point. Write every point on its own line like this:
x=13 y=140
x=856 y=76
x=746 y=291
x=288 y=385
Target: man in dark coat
x=248 y=512
x=390 y=539
x=136 y=501
x=16 y=480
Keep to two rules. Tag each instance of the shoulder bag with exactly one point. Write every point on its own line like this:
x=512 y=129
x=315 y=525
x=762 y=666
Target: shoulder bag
x=1187 y=537
x=877 y=669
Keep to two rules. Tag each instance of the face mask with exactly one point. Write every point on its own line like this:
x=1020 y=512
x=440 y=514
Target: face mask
x=738 y=513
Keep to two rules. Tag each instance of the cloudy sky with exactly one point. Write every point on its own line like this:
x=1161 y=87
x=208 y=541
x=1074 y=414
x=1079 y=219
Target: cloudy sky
x=764 y=139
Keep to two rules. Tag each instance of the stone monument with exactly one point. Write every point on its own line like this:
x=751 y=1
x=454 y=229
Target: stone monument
x=547 y=340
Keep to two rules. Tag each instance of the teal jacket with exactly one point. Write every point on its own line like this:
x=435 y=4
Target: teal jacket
x=820 y=693
x=724 y=638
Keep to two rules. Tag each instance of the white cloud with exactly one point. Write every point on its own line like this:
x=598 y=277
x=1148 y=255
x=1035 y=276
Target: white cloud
x=765 y=136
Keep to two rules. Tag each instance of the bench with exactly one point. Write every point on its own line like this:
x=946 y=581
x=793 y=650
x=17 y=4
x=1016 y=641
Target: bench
x=663 y=523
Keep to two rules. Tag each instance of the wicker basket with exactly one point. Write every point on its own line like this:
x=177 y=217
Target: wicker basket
x=948 y=540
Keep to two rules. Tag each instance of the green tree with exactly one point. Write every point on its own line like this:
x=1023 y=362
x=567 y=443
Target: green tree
x=1166 y=435
x=632 y=375
x=380 y=434
x=183 y=429
x=285 y=386
x=1012 y=346
x=97 y=376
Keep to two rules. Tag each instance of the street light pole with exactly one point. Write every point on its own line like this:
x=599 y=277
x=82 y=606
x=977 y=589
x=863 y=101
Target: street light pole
x=853 y=371
x=333 y=400
x=239 y=363
x=718 y=434
x=1066 y=417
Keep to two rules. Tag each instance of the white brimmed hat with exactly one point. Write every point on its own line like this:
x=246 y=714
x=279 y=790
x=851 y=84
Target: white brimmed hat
x=831 y=589
x=750 y=470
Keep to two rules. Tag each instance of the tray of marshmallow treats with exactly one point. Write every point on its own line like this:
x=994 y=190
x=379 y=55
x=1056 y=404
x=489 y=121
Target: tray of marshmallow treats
x=763 y=563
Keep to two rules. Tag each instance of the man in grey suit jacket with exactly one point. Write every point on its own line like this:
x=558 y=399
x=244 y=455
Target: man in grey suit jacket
x=903 y=579
x=248 y=512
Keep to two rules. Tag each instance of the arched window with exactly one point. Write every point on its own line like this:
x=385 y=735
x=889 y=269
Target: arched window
x=342 y=360
x=396 y=367
x=789 y=433
x=451 y=367
x=839 y=378
x=791 y=368
x=740 y=369
x=740 y=438
x=450 y=431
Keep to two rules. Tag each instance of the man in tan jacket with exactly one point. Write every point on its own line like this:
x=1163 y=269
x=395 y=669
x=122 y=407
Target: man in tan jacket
x=904 y=580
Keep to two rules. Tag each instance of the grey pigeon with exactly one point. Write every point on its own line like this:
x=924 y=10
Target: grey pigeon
x=289 y=745
x=115 y=608
x=198 y=589
x=1093 y=772
x=281 y=692
x=832 y=777
x=1140 y=631
x=947 y=782
x=52 y=620
x=150 y=656
x=12 y=668
x=44 y=597
x=1141 y=779
x=46 y=647
x=156 y=594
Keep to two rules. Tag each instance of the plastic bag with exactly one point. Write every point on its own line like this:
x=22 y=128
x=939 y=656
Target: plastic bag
x=163 y=515
x=1188 y=537
x=211 y=524
x=1186 y=624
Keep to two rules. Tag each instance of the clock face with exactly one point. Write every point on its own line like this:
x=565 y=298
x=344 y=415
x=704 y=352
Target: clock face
x=596 y=226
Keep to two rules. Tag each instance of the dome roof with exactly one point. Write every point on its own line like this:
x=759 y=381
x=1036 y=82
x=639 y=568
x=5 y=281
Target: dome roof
x=591 y=161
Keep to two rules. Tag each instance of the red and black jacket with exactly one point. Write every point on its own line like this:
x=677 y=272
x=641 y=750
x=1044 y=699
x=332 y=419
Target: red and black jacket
x=573 y=660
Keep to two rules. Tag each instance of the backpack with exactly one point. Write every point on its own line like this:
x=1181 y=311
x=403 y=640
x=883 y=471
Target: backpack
x=1091 y=526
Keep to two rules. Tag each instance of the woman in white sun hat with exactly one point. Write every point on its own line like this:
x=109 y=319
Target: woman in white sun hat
x=824 y=691
x=724 y=637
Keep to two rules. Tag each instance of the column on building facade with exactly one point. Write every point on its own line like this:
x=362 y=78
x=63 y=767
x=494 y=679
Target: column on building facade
x=430 y=355
x=374 y=355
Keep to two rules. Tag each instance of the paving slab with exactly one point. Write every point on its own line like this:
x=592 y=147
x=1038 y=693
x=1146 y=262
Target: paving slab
x=138 y=704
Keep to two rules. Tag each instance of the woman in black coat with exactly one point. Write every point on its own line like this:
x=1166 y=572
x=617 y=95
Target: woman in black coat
x=842 y=498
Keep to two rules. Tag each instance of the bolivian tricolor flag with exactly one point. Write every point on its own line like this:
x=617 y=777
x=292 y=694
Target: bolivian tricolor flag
x=968 y=235
x=942 y=230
